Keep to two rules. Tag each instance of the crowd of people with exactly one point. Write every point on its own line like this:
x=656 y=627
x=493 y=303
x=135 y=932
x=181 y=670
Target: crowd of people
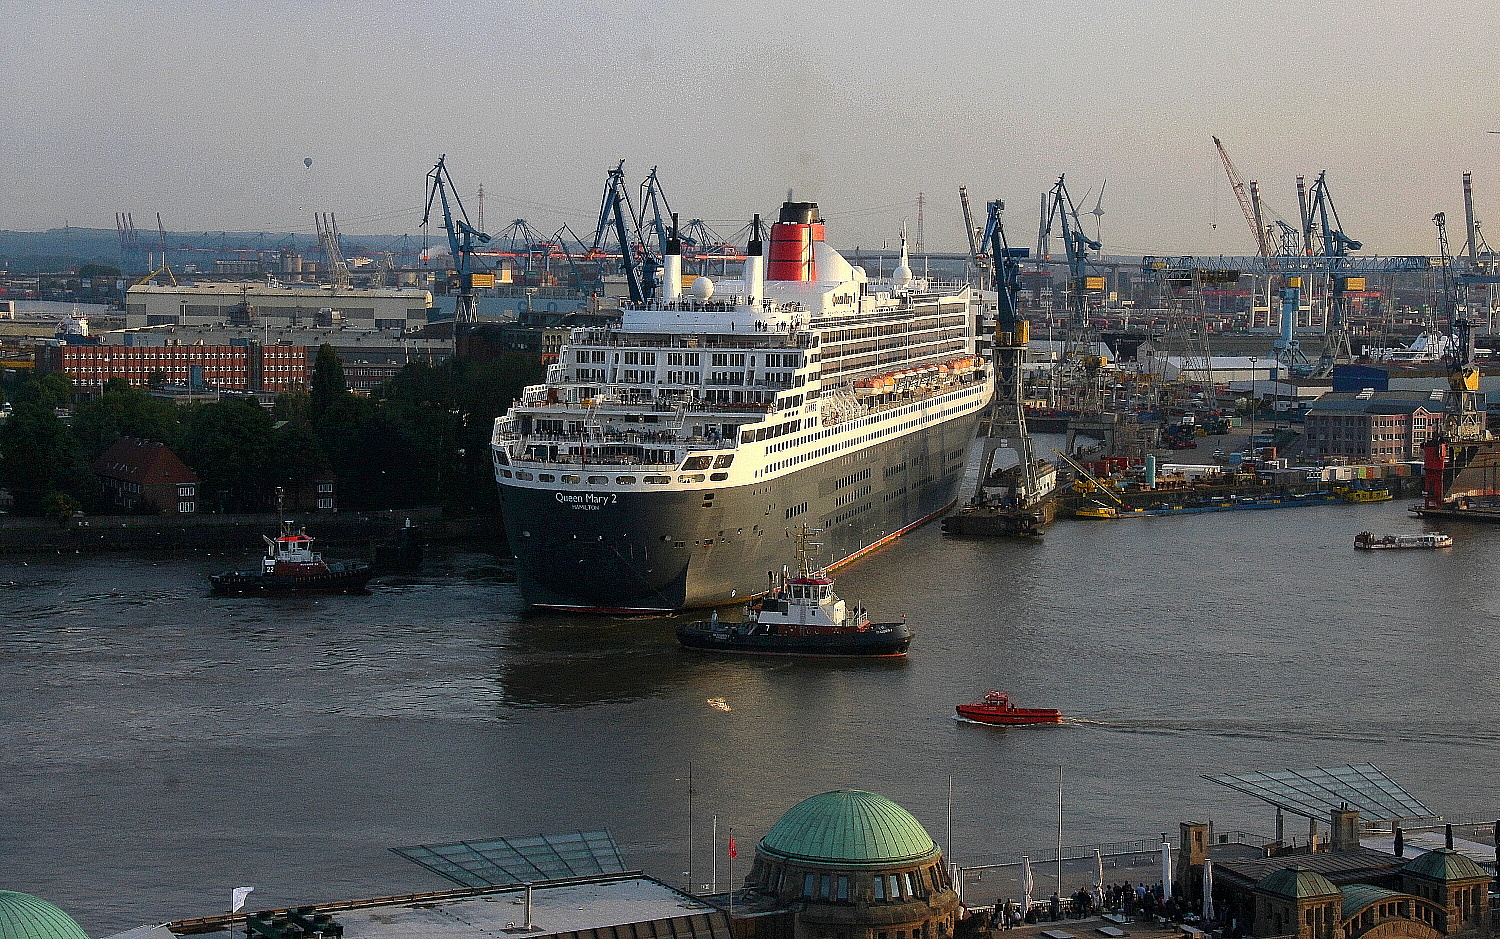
x=1128 y=899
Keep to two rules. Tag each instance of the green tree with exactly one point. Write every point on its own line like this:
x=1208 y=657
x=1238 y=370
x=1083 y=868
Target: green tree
x=50 y=391
x=328 y=385
x=39 y=457
x=123 y=411
x=229 y=445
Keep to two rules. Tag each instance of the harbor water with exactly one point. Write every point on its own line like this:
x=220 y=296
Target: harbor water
x=160 y=746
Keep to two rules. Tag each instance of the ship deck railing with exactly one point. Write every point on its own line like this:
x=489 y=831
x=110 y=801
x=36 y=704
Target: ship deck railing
x=751 y=338
x=659 y=406
x=626 y=438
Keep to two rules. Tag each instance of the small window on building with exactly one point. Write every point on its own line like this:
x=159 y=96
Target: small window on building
x=185 y=507
x=910 y=890
x=823 y=885
x=807 y=885
x=325 y=503
x=325 y=487
x=843 y=887
x=880 y=892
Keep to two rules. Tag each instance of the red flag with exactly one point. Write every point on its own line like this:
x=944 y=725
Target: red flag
x=733 y=851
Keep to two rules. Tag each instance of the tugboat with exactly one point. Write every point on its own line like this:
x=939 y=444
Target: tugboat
x=800 y=615
x=1369 y=541
x=291 y=564
x=995 y=708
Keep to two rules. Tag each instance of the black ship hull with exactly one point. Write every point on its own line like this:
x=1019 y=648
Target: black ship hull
x=343 y=577
x=637 y=552
x=884 y=640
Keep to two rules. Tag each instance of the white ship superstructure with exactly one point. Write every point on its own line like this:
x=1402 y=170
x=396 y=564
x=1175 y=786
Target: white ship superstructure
x=665 y=463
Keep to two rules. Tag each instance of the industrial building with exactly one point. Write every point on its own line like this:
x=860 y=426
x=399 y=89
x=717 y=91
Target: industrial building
x=247 y=304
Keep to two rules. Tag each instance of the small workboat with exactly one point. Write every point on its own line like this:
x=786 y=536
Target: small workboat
x=291 y=564
x=995 y=708
x=1369 y=541
x=800 y=615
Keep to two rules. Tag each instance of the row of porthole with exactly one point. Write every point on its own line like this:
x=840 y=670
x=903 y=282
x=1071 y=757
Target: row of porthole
x=574 y=479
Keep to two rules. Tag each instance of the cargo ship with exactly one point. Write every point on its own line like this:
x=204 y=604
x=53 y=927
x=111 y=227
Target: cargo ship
x=667 y=462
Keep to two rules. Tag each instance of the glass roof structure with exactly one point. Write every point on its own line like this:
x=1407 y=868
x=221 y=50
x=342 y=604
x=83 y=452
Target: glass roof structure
x=1315 y=793
x=497 y=862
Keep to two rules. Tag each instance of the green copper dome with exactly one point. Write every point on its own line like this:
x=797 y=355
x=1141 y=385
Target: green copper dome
x=1444 y=864
x=1298 y=883
x=849 y=827
x=23 y=916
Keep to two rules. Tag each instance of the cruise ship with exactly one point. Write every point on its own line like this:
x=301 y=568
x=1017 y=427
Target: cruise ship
x=667 y=463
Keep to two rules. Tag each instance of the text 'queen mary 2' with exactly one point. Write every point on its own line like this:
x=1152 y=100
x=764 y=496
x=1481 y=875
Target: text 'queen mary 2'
x=667 y=463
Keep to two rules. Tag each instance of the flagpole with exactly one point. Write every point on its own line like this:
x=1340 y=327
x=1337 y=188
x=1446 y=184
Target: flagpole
x=732 y=853
x=716 y=855
x=1059 y=829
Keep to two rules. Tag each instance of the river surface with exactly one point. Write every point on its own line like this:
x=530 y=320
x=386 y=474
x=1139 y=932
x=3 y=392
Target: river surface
x=160 y=746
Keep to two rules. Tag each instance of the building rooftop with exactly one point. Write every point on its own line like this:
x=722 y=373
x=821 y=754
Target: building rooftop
x=557 y=908
x=1359 y=896
x=1297 y=882
x=1444 y=864
x=23 y=916
x=851 y=827
x=1339 y=867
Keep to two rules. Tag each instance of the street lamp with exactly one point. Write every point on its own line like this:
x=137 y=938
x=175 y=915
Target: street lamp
x=1253 y=360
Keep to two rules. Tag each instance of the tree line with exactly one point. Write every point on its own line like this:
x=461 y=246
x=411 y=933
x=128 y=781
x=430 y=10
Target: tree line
x=421 y=438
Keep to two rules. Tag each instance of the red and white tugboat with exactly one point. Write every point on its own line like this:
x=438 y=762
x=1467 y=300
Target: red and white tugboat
x=291 y=564
x=800 y=615
x=995 y=708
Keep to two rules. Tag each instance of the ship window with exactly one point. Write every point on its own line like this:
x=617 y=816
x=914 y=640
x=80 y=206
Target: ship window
x=521 y=474
x=658 y=480
x=625 y=480
x=697 y=462
x=723 y=460
x=695 y=478
x=718 y=477
x=546 y=478
x=570 y=478
x=505 y=473
x=595 y=480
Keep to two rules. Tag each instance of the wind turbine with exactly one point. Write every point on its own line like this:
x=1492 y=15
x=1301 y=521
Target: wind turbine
x=1098 y=210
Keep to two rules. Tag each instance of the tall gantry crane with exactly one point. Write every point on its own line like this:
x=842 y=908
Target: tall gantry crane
x=1064 y=214
x=461 y=238
x=333 y=252
x=1321 y=229
x=617 y=216
x=1248 y=205
x=1023 y=504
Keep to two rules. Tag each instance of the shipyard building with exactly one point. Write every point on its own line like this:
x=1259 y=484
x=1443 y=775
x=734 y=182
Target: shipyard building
x=212 y=304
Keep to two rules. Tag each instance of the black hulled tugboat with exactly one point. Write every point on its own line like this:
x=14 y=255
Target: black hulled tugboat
x=800 y=615
x=291 y=564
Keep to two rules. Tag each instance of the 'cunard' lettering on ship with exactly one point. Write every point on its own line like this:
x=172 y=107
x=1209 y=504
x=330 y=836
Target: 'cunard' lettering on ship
x=666 y=463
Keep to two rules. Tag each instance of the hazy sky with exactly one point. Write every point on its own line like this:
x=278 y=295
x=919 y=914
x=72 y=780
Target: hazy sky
x=205 y=112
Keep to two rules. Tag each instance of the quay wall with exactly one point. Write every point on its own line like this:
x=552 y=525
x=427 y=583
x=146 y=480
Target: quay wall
x=350 y=530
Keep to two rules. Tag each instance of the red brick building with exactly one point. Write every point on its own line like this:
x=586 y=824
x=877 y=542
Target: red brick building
x=237 y=368
x=137 y=474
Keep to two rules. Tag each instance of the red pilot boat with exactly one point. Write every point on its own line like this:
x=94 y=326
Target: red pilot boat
x=995 y=708
x=291 y=564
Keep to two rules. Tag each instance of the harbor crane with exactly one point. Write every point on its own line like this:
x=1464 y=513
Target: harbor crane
x=1079 y=344
x=618 y=216
x=1248 y=205
x=461 y=239
x=1024 y=504
x=1321 y=227
x=333 y=252
x=1460 y=442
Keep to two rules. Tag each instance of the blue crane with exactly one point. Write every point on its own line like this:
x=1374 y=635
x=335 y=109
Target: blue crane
x=616 y=213
x=461 y=238
x=1062 y=212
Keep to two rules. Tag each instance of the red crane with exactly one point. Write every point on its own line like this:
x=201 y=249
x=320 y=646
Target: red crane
x=1247 y=205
